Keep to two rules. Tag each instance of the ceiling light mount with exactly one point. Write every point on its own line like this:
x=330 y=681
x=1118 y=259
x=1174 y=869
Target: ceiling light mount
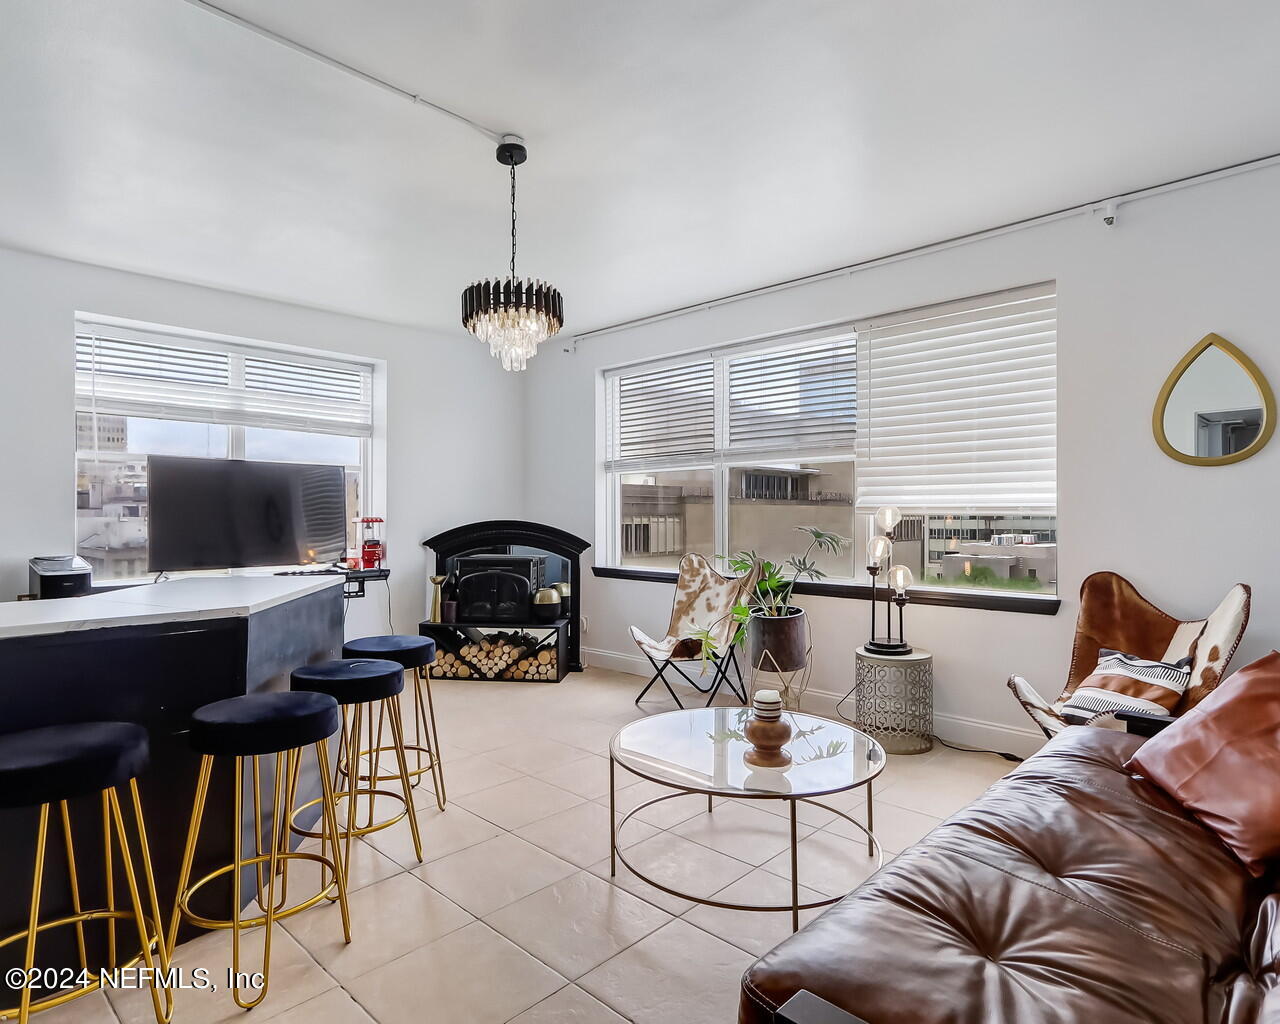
x=512 y=151
x=512 y=316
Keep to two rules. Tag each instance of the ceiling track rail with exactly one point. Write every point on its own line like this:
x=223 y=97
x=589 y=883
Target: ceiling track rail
x=364 y=76
x=1106 y=204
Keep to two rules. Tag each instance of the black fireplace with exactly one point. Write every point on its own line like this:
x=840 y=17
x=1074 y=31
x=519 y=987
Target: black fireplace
x=496 y=565
x=494 y=595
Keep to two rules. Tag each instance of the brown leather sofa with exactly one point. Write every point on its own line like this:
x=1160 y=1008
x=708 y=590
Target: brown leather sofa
x=1070 y=893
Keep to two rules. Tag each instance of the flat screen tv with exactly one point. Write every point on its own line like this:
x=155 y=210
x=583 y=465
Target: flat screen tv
x=230 y=514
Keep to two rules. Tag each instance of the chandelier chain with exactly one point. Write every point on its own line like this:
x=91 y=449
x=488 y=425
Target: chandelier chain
x=513 y=221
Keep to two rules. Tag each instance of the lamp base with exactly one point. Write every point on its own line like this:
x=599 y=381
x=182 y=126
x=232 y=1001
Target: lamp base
x=887 y=647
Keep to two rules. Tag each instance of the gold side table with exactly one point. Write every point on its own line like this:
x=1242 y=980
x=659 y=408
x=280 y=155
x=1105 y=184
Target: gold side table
x=893 y=700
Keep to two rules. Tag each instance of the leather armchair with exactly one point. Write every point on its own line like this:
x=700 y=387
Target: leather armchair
x=1115 y=616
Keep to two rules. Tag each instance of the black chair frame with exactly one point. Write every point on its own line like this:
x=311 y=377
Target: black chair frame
x=720 y=676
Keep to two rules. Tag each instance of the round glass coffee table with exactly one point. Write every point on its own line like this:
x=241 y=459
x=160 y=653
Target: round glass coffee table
x=700 y=750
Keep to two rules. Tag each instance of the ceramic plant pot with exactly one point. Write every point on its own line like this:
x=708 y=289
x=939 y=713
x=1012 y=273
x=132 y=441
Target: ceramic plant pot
x=779 y=643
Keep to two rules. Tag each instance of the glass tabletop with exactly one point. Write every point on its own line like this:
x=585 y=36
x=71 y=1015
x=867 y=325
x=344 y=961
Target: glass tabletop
x=701 y=749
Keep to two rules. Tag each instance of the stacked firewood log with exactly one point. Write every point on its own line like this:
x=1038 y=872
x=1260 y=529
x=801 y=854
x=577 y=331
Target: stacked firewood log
x=500 y=656
x=539 y=666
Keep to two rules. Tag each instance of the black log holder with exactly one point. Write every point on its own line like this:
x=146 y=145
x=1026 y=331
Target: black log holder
x=536 y=652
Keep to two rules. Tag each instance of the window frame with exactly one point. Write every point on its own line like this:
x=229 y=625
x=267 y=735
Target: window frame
x=723 y=458
x=240 y=349
x=609 y=471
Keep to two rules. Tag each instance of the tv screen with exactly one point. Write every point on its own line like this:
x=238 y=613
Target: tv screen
x=229 y=514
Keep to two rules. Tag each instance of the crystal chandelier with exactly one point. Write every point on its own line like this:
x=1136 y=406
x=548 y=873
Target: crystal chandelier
x=513 y=316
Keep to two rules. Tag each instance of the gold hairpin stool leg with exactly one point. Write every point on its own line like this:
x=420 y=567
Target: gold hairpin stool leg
x=270 y=861
x=422 y=750
x=357 y=784
x=151 y=946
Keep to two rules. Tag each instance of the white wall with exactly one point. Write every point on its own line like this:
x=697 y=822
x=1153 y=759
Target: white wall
x=449 y=406
x=1132 y=300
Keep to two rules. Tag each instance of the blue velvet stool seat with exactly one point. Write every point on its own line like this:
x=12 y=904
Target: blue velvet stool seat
x=416 y=654
x=59 y=762
x=404 y=648
x=276 y=728
x=263 y=723
x=47 y=767
x=368 y=691
x=352 y=680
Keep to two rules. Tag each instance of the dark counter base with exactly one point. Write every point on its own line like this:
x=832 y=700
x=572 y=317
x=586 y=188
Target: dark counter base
x=155 y=676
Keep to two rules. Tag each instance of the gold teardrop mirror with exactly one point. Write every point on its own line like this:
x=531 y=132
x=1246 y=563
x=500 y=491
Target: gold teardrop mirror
x=1216 y=407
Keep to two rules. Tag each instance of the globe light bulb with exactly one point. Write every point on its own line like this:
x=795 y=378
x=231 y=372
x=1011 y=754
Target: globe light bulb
x=888 y=517
x=900 y=578
x=878 y=549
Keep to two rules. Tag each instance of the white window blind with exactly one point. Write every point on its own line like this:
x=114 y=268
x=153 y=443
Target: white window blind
x=794 y=397
x=958 y=405
x=132 y=373
x=664 y=413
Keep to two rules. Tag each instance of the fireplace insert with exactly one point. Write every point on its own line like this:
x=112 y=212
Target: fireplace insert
x=493 y=595
x=531 y=567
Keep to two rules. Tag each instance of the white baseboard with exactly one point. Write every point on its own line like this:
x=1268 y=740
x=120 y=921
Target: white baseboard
x=635 y=664
x=973 y=732
x=957 y=729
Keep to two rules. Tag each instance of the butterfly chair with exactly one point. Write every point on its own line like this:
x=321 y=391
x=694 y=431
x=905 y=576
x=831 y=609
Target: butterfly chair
x=1114 y=616
x=704 y=601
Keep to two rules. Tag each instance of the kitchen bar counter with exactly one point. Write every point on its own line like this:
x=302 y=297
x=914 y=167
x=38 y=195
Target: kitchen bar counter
x=151 y=654
x=181 y=600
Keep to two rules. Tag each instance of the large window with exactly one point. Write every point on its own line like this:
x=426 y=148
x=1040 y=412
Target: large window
x=730 y=452
x=947 y=412
x=141 y=393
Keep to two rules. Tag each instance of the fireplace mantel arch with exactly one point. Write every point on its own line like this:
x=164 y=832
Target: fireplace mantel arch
x=495 y=534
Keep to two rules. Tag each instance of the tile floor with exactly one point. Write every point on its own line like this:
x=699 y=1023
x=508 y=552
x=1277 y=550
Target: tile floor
x=514 y=917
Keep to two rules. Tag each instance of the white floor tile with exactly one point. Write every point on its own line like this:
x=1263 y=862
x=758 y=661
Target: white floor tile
x=679 y=973
x=577 y=923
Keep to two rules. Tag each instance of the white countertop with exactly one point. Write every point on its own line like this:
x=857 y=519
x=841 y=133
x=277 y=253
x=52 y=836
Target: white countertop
x=181 y=600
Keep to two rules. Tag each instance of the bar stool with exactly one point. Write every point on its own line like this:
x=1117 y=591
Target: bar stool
x=43 y=767
x=245 y=728
x=371 y=688
x=415 y=653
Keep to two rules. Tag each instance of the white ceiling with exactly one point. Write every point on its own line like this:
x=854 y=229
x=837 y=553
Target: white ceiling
x=679 y=149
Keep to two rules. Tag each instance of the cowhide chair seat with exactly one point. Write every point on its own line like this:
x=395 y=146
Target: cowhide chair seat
x=704 y=601
x=1115 y=616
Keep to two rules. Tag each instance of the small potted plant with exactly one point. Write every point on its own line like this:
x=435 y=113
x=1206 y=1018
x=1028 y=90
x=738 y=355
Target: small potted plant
x=778 y=631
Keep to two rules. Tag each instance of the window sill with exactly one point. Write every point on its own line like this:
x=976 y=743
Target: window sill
x=987 y=600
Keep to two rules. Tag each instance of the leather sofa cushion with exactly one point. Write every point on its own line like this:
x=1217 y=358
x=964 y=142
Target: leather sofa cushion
x=1069 y=892
x=1221 y=761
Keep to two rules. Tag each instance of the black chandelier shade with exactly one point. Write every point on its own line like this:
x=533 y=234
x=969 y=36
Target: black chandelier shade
x=494 y=296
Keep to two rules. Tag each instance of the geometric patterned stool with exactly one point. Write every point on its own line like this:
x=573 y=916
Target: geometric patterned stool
x=893 y=700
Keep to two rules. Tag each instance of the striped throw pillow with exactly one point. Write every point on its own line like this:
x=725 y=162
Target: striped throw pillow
x=1123 y=682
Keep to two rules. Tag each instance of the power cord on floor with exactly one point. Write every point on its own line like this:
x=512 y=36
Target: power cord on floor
x=981 y=750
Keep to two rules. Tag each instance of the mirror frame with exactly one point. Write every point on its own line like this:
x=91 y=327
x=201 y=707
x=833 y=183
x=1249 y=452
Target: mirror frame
x=1254 y=374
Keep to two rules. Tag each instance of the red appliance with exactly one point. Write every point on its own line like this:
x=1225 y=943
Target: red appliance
x=373 y=550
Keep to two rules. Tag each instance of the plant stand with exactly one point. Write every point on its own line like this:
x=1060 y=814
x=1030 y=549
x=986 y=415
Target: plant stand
x=793 y=683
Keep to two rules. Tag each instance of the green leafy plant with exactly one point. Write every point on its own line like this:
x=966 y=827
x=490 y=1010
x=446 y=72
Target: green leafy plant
x=775 y=583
